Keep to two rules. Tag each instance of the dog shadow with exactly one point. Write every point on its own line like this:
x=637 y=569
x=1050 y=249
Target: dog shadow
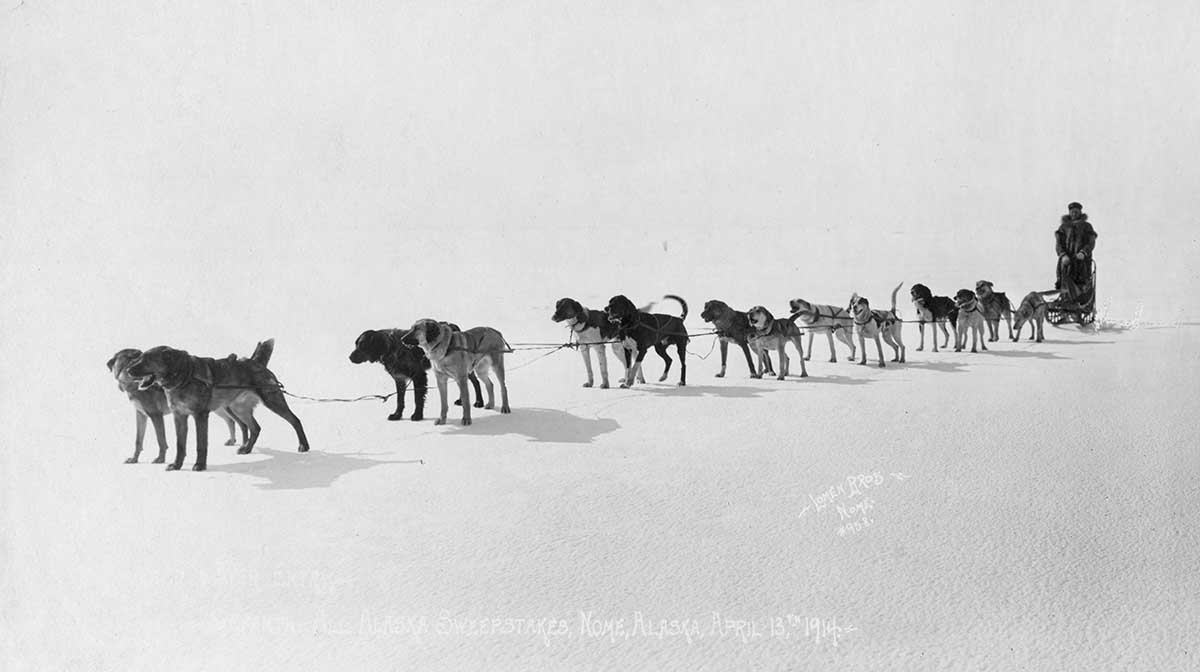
x=832 y=379
x=941 y=367
x=1025 y=354
x=724 y=391
x=540 y=425
x=289 y=470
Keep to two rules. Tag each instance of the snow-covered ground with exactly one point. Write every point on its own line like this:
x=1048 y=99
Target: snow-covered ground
x=1025 y=508
x=208 y=175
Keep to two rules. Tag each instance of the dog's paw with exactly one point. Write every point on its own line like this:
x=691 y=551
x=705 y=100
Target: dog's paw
x=808 y=358
x=417 y=417
x=721 y=374
x=398 y=415
x=231 y=442
x=505 y=409
x=439 y=421
x=173 y=467
x=131 y=460
x=302 y=449
x=478 y=403
x=803 y=374
x=624 y=386
x=604 y=386
x=244 y=450
x=490 y=406
x=158 y=460
x=662 y=378
x=781 y=377
x=199 y=467
x=466 y=422
x=588 y=384
x=882 y=365
x=681 y=384
x=458 y=402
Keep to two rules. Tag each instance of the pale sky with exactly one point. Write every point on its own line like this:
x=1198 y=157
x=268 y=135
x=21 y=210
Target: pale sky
x=218 y=169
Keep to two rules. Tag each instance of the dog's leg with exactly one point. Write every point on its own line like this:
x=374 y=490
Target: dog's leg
x=498 y=367
x=879 y=347
x=420 y=389
x=602 y=357
x=749 y=359
x=899 y=336
x=241 y=423
x=983 y=343
x=255 y=430
x=481 y=371
x=811 y=336
x=181 y=432
x=274 y=400
x=783 y=361
x=662 y=352
x=140 y=419
x=832 y=351
x=160 y=433
x=584 y=351
x=478 y=393
x=1008 y=321
x=921 y=329
x=201 y=441
x=862 y=347
x=442 y=384
x=1040 y=333
x=800 y=349
x=681 y=349
x=466 y=405
x=225 y=415
x=724 y=354
x=401 y=382
x=635 y=370
x=945 y=333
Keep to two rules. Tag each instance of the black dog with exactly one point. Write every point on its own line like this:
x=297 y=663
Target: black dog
x=403 y=363
x=935 y=309
x=650 y=329
x=732 y=326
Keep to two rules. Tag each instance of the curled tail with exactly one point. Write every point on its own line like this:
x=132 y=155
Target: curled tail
x=263 y=351
x=897 y=289
x=681 y=302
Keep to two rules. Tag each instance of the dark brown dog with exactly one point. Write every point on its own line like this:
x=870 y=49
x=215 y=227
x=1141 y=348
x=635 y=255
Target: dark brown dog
x=733 y=326
x=196 y=386
x=647 y=330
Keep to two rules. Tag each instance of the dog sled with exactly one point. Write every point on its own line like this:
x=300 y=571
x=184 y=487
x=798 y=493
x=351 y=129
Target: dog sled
x=1080 y=308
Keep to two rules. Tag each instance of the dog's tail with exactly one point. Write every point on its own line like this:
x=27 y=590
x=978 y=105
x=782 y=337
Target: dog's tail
x=681 y=302
x=897 y=289
x=263 y=351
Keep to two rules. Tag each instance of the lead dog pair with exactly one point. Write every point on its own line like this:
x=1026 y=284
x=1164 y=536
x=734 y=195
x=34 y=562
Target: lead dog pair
x=197 y=386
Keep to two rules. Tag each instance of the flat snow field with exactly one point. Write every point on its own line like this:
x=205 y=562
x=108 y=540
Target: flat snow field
x=1026 y=508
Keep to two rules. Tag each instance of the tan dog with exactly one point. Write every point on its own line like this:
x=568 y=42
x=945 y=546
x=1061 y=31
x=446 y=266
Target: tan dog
x=769 y=333
x=970 y=320
x=995 y=305
x=829 y=320
x=456 y=354
x=1033 y=310
x=875 y=323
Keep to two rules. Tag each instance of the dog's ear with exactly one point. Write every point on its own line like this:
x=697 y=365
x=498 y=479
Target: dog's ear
x=110 y=362
x=431 y=331
x=409 y=337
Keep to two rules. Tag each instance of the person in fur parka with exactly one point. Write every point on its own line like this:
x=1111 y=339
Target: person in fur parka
x=1075 y=240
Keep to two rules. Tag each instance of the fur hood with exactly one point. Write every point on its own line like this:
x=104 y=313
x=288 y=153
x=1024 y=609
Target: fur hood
x=1082 y=218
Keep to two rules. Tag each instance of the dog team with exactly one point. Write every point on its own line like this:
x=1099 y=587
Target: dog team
x=166 y=380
